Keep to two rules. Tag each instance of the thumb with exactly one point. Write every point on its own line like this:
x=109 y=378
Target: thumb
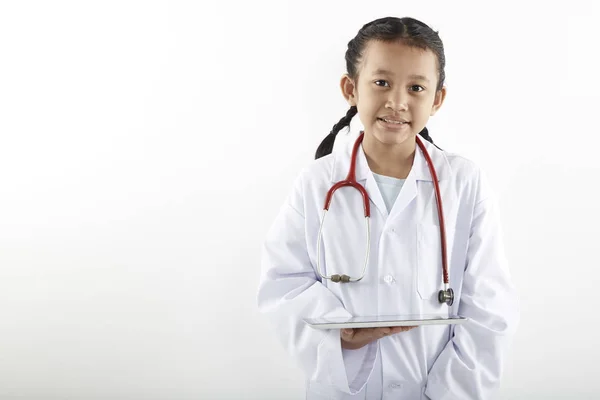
x=347 y=332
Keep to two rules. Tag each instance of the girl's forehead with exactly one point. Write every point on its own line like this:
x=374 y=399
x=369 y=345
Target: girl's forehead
x=397 y=58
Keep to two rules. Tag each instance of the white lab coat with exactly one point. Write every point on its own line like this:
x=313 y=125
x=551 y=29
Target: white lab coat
x=403 y=276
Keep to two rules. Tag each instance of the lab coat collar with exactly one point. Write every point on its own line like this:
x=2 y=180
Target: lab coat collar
x=418 y=172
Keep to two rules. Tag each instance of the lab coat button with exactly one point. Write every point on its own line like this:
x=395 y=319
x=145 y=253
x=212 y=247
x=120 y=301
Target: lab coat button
x=395 y=385
x=388 y=279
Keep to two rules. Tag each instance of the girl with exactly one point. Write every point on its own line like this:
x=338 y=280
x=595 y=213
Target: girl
x=394 y=82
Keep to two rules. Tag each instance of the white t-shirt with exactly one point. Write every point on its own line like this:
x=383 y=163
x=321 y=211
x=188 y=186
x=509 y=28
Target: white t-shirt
x=389 y=188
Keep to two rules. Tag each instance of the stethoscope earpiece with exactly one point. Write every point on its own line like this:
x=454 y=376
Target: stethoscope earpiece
x=340 y=278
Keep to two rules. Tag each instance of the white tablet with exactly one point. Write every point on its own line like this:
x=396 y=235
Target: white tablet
x=383 y=321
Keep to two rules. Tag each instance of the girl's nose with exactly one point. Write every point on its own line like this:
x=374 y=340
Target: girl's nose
x=397 y=106
x=397 y=102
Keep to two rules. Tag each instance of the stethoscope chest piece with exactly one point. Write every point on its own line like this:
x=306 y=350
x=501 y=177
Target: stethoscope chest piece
x=446 y=296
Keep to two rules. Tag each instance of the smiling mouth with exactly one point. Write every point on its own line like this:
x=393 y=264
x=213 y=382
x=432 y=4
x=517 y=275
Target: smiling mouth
x=389 y=121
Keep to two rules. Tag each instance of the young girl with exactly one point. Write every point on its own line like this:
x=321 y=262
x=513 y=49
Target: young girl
x=394 y=82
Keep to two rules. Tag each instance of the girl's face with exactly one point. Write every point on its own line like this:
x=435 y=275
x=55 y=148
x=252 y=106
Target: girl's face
x=396 y=83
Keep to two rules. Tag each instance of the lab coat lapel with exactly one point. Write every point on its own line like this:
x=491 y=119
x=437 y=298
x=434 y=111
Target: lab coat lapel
x=375 y=195
x=407 y=194
x=365 y=177
x=419 y=172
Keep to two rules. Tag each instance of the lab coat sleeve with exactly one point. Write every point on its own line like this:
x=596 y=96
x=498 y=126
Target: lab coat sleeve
x=470 y=366
x=290 y=291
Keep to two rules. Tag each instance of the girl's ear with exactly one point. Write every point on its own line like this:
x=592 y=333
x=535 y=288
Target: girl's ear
x=440 y=96
x=348 y=90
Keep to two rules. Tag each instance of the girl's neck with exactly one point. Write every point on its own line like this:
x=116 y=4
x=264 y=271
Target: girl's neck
x=389 y=160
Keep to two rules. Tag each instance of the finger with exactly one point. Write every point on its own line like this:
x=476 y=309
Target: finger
x=347 y=334
x=406 y=328
x=399 y=329
x=381 y=332
x=367 y=334
x=370 y=332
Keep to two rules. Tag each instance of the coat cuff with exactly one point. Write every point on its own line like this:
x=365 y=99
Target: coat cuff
x=349 y=370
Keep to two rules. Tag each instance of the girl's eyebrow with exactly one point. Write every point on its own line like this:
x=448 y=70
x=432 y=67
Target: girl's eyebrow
x=381 y=71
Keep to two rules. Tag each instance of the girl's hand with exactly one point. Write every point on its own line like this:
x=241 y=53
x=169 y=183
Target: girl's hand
x=356 y=338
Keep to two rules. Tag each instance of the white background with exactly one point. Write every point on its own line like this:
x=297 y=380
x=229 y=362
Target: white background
x=147 y=146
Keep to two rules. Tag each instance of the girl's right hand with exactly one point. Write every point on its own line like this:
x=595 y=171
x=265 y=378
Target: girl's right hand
x=356 y=338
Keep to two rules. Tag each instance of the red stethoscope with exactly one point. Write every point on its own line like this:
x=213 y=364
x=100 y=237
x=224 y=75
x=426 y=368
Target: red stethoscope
x=444 y=296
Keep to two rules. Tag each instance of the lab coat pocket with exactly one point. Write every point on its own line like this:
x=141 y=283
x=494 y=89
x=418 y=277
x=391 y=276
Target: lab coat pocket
x=429 y=259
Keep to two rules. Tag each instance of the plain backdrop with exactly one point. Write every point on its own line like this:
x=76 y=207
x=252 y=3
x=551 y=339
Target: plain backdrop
x=146 y=147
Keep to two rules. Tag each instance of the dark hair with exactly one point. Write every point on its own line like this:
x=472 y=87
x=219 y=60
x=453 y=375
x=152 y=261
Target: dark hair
x=390 y=29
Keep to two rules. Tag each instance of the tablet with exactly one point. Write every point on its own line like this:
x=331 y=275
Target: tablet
x=383 y=321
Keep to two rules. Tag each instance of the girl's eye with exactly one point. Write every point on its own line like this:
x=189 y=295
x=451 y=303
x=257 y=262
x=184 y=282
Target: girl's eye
x=414 y=88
